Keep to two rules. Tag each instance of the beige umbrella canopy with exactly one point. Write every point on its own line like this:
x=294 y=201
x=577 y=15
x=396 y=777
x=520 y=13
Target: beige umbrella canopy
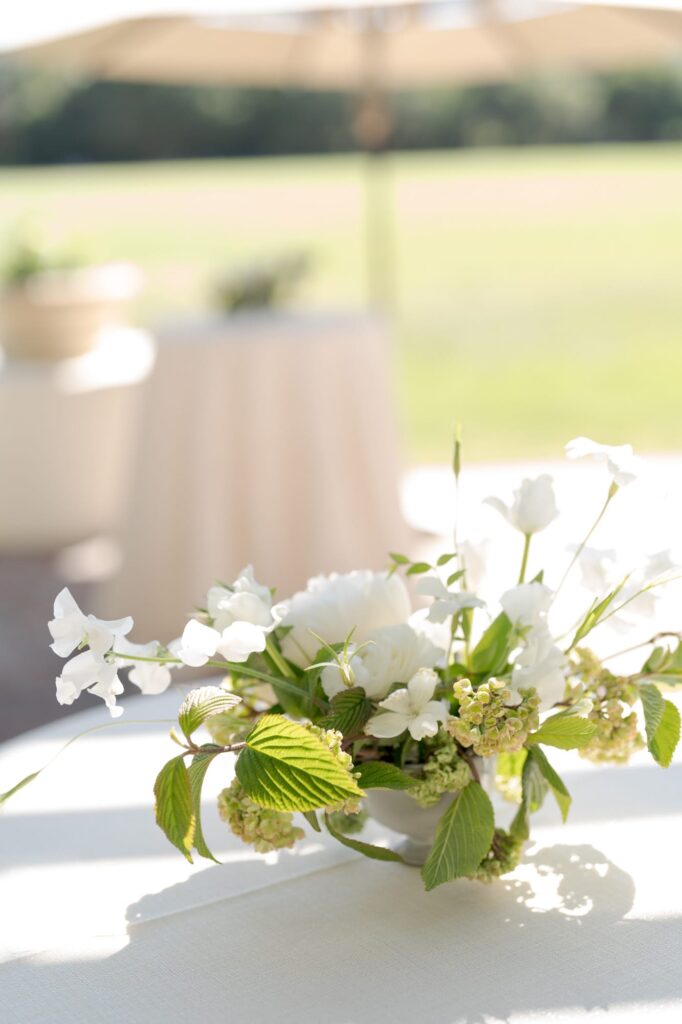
x=369 y=48
x=408 y=45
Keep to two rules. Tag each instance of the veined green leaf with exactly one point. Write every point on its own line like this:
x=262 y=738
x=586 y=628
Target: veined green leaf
x=349 y=711
x=534 y=788
x=662 y=724
x=568 y=730
x=492 y=650
x=367 y=849
x=379 y=775
x=286 y=767
x=174 y=806
x=197 y=773
x=463 y=837
x=201 y=704
x=561 y=794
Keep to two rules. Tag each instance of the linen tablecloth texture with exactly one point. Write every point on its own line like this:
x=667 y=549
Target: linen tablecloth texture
x=267 y=438
x=67 y=438
x=103 y=922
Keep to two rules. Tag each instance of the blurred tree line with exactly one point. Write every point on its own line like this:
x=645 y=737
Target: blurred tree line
x=49 y=118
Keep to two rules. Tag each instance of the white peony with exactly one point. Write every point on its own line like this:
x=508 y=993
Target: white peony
x=411 y=708
x=392 y=655
x=335 y=606
x=621 y=461
x=533 y=508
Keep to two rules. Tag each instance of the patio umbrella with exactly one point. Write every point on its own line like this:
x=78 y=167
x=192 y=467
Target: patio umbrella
x=368 y=48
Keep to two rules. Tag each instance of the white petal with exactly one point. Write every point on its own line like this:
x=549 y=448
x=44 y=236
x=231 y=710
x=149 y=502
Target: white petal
x=240 y=640
x=198 y=643
x=421 y=687
x=65 y=604
x=151 y=678
x=387 y=724
x=422 y=726
x=499 y=506
x=431 y=586
x=67 y=633
x=398 y=702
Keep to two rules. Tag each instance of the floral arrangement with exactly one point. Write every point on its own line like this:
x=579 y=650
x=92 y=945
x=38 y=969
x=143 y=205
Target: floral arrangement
x=342 y=691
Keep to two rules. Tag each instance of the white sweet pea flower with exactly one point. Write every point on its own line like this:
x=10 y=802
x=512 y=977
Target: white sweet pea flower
x=151 y=677
x=199 y=642
x=533 y=508
x=70 y=628
x=411 y=708
x=245 y=601
x=542 y=665
x=91 y=672
x=446 y=602
x=622 y=463
x=597 y=567
x=335 y=606
x=391 y=655
x=526 y=604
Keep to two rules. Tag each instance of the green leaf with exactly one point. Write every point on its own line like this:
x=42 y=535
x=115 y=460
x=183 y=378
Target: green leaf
x=595 y=614
x=534 y=788
x=285 y=767
x=561 y=794
x=568 y=730
x=491 y=651
x=379 y=775
x=197 y=772
x=174 y=806
x=455 y=576
x=311 y=818
x=20 y=785
x=662 y=723
x=418 y=567
x=349 y=711
x=463 y=837
x=510 y=766
x=201 y=704
x=398 y=559
x=444 y=559
x=367 y=849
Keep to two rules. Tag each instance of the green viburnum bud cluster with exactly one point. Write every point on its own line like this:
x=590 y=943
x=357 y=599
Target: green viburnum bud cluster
x=502 y=857
x=348 y=824
x=617 y=737
x=264 y=829
x=333 y=739
x=493 y=719
x=444 y=771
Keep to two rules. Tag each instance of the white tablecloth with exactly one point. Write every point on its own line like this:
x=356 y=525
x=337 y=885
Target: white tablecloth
x=67 y=437
x=102 y=922
x=268 y=438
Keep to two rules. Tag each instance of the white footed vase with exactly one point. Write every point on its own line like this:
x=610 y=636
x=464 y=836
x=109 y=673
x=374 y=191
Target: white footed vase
x=397 y=810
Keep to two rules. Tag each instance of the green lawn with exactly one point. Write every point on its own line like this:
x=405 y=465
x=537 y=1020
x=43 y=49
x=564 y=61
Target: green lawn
x=539 y=292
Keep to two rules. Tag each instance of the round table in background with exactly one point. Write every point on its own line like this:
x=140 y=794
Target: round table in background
x=103 y=921
x=267 y=438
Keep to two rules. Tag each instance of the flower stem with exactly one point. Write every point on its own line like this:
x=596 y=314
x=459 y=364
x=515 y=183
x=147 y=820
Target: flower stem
x=524 y=559
x=613 y=489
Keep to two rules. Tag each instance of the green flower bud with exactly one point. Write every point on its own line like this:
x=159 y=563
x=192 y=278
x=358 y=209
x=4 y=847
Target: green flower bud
x=490 y=718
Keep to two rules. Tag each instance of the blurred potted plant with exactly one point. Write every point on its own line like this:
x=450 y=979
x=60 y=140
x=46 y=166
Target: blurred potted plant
x=262 y=285
x=54 y=304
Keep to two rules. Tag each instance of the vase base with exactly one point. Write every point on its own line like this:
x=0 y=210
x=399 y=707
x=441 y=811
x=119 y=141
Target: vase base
x=413 y=853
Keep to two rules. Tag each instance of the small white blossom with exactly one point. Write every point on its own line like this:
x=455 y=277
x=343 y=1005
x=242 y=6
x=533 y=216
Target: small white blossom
x=542 y=665
x=411 y=708
x=245 y=601
x=446 y=602
x=151 y=677
x=597 y=567
x=89 y=671
x=526 y=604
x=390 y=655
x=199 y=642
x=533 y=508
x=70 y=628
x=622 y=463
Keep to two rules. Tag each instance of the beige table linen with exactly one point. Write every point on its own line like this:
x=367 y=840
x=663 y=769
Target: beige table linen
x=67 y=440
x=102 y=922
x=268 y=438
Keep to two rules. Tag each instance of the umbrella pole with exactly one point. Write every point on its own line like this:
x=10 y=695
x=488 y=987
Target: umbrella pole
x=372 y=128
